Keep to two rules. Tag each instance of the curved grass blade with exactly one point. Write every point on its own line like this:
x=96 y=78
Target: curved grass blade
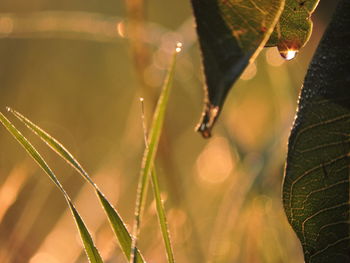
x=114 y=218
x=52 y=143
x=89 y=246
x=159 y=204
x=150 y=153
x=119 y=229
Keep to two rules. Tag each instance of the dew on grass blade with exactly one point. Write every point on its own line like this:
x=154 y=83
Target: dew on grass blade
x=178 y=47
x=144 y=127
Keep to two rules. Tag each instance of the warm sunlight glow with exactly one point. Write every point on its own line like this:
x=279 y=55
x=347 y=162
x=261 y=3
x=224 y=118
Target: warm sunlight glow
x=10 y=189
x=6 y=25
x=273 y=58
x=249 y=72
x=89 y=75
x=215 y=163
x=152 y=76
x=43 y=257
x=177 y=217
x=64 y=228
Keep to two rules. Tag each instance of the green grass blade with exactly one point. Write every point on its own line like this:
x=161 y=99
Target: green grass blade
x=162 y=217
x=150 y=152
x=52 y=143
x=119 y=228
x=89 y=246
x=116 y=223
x=30 y=149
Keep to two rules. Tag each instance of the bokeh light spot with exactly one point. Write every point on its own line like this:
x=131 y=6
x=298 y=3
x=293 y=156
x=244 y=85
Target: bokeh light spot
x=215 y=163
x=43 y=257
x=6 y=25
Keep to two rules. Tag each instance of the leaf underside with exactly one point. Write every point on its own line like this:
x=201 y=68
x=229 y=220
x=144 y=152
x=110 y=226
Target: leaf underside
x=294 y=27
x=231 y=33
x=316 y=185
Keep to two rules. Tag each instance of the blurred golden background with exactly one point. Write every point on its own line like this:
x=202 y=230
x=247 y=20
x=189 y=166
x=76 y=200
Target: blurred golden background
x=77 y=69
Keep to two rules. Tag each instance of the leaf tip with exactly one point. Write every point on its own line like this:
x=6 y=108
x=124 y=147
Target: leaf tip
x=209 y=117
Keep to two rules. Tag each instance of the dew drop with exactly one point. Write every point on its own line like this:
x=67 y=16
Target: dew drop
x=288 y=54
x=178 y=47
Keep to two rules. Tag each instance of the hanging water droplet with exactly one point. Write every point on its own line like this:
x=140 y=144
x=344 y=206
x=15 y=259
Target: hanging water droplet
x=288 y=54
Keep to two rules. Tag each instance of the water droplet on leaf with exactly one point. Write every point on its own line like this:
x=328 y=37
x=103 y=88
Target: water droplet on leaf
x=288 y=54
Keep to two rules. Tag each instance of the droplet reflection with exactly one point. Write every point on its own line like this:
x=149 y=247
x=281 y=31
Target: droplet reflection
x=288 y=54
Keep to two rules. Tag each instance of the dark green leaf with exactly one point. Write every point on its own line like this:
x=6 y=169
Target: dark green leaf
x=294 y=27
x=231 y=34
x=316 y=186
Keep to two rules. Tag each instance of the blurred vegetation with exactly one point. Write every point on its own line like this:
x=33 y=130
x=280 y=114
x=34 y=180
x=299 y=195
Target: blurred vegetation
x=72 y=67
